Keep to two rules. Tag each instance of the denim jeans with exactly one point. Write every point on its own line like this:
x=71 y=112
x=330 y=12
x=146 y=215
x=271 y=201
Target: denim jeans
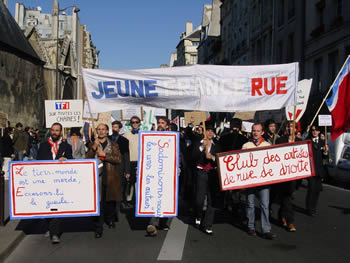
x=263 y=194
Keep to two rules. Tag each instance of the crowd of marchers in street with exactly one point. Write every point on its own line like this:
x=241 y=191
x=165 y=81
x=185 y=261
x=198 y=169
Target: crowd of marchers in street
x=199 y=183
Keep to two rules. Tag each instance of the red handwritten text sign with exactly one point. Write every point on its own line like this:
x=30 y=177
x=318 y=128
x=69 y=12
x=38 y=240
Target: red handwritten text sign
x=265 y=165
x=157 y=180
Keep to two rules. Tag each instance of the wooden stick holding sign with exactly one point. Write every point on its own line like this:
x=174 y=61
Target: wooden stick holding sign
x=294 y=123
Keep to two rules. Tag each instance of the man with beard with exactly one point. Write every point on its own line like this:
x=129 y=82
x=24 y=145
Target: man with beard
x=55 y=149
x=124 y=150
x=110 y=187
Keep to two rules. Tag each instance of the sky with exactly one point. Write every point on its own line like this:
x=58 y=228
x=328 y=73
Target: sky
x=131 y=34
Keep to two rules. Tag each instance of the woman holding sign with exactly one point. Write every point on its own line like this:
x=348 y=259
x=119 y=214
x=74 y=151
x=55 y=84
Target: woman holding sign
x=109 y=159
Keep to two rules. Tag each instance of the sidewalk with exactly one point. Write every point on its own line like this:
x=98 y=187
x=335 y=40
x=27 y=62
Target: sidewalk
x=9 y=238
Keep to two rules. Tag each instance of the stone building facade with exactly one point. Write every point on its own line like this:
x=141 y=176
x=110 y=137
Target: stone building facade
x=186 y=49
x=22 y=86
x=62 y=33
x=314 y=33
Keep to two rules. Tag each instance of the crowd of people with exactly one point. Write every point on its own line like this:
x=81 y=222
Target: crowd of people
x=199 y=181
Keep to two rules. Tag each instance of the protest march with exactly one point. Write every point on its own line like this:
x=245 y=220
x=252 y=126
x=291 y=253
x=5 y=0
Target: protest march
x=96 y=164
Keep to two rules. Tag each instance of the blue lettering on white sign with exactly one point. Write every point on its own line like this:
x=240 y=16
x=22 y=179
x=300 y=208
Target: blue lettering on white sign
x=132 y=88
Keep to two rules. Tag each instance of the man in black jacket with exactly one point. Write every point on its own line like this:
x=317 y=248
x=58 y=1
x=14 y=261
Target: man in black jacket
x=124 y=150
x=55 y=149
x=285 y=190
x=232 y=141
x=314 y=187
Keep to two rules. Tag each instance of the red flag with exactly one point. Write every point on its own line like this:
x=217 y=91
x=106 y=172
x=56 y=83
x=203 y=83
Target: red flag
x=339 y=103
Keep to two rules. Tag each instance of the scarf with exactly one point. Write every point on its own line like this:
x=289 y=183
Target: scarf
x=74 y=142
x=54 y=147
x=134 y=131
x=257 y=142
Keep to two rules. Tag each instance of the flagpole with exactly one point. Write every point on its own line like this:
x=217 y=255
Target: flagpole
x=324 y=99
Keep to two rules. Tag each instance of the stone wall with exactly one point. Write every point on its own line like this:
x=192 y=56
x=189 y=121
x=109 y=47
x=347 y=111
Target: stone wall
x=22 y=90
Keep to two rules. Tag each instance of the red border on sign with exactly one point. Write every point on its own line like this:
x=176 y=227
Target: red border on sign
x=58 y=212
x=311 y=160
x=141 y=173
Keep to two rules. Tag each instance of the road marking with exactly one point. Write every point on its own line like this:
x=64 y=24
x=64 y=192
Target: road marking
x=174 y=242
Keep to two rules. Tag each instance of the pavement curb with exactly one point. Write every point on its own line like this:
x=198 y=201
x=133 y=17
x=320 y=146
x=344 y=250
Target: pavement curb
x=9 y=239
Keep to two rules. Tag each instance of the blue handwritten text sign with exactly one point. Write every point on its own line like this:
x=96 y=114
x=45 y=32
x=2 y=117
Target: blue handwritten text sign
x=157 y=181
x=43 y=189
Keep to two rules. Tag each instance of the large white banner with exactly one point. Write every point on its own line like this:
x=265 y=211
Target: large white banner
x=157 y=180
x=265 y=165
x=40 y=189
x=196 y=87
x=67 y=112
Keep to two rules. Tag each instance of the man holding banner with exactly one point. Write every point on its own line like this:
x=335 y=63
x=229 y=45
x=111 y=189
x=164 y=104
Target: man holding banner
x=156 y=222
x=262 y=191
x=55 y=149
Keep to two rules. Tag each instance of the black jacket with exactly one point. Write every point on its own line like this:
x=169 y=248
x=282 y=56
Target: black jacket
x=232 y=141
x=64 y=150
x=199 y=156
x=318 y=155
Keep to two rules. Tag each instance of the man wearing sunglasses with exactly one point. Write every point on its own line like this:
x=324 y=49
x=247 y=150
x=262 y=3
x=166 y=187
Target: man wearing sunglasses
x=133 y=137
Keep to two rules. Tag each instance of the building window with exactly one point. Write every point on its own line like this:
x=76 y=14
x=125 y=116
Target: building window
x=193 y=59
x=290 y=50
x=333 y=66
x=339 y=8
x=317 y=75
x=280 y=52
x=281 y=12
x=291 y=8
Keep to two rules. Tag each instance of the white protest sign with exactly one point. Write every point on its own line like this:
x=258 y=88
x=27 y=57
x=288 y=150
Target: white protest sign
x=303 y=92
x=127 y=113
x=157 y=180
x=42 y=189
x=196 y=87
x=67 y=112
x=247 y=126
x=265 y=165
x=87 y=114
x=324 y=120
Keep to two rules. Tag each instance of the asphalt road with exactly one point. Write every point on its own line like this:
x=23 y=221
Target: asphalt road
x=325 y=238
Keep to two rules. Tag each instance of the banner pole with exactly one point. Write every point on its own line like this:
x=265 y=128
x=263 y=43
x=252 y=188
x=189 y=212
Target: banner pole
x=325 y=97
x=294 y=123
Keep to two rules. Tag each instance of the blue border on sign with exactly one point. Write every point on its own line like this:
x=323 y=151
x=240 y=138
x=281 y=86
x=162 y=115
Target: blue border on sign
x=55 y=216
x=177 y=135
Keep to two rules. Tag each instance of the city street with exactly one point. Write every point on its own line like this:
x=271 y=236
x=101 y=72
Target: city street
x=325 y=238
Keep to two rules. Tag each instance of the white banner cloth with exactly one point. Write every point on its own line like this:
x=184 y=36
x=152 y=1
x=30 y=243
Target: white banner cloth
x=196 y=87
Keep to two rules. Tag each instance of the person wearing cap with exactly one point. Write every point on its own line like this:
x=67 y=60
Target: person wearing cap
x=207 y=180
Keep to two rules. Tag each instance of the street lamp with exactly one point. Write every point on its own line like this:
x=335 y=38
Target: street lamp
x=75 y=10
